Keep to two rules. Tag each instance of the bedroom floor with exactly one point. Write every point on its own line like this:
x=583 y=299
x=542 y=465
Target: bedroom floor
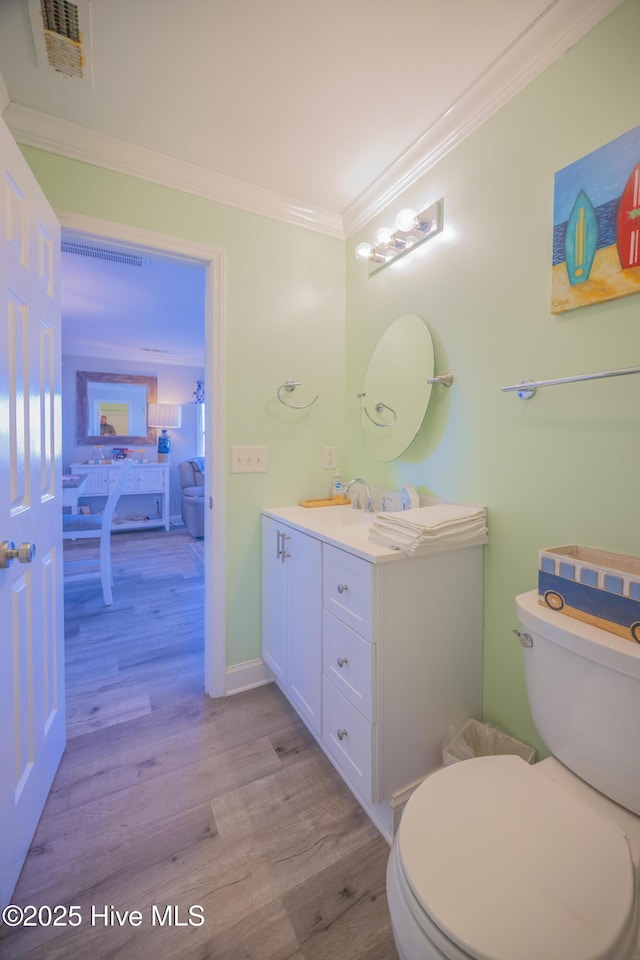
x=168 y=799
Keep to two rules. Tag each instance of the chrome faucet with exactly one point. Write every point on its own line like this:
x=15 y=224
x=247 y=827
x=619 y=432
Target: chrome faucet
x=355 y=503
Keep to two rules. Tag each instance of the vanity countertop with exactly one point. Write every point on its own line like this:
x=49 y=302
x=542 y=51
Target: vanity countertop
x=347 y=529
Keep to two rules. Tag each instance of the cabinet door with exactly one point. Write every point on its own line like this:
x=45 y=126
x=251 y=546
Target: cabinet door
x=304 y=633
x=274 y=601
x=97 y=483
x=150 y=479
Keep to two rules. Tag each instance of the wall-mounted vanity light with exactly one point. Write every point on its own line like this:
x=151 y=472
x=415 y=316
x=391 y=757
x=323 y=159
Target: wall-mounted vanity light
x=412 y=230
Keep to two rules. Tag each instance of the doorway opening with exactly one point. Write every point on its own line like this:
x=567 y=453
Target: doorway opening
x=146 y=244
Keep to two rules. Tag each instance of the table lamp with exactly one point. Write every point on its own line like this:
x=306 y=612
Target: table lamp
x=164 y=415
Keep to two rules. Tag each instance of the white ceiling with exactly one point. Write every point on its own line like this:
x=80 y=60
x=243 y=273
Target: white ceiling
x=150 y=314
x=316 y=112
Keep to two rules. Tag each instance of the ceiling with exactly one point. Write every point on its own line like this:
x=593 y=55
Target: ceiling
x=132 y=306
x=320 y=113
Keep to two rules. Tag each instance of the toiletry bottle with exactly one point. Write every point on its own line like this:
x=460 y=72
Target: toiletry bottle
x=337 y=487
x=409 y=497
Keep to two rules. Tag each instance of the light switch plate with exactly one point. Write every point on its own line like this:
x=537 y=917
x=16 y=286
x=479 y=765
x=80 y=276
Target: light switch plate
x=248 y=459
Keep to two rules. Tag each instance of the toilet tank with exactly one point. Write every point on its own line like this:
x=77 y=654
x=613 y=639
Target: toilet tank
x=583 y=686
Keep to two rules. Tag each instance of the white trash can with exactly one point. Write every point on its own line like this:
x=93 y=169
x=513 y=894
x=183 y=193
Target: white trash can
x=477 y=739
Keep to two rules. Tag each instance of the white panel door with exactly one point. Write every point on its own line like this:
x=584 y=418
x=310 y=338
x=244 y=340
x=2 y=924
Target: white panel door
x=32 y=727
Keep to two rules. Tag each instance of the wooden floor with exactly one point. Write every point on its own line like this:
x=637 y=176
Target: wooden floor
x=168 y=799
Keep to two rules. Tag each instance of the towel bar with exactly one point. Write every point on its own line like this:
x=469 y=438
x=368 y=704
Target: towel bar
x=527 y=388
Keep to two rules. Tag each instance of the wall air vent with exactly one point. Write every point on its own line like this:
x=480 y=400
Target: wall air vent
x=61 y=35
x=102 y=253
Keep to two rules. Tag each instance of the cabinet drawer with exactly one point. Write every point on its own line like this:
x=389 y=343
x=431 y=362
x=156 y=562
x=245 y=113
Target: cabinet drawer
x=130 y=484
x=347 y=588
x=348 y=738
x=349 y=663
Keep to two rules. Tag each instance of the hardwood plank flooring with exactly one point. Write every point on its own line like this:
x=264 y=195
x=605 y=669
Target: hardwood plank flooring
x=168 y=799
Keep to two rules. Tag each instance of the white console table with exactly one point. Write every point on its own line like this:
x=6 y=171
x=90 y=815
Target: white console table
x=144 y=478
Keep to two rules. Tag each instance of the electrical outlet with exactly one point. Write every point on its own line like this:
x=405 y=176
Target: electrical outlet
x=329 y=458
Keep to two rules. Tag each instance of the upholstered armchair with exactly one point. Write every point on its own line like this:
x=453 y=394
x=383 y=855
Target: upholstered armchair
x=192 y=483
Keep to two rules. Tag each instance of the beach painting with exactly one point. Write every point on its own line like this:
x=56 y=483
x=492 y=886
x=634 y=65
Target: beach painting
x=596 y=226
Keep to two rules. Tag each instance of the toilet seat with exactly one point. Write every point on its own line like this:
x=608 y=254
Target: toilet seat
x=506 y=864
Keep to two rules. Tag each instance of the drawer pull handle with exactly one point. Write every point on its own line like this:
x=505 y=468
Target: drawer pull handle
x=341 y=734
x=342 y=661
x=343 y=587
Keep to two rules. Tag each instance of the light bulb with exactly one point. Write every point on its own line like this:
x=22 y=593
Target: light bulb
x=382 y=236
x=424 y=226
x=364 y=251
x=406 y=220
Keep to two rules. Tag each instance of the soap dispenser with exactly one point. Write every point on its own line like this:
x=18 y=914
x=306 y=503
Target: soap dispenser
x=337 y=487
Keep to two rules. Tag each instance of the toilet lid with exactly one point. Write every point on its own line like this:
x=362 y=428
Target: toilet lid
x=510 y=865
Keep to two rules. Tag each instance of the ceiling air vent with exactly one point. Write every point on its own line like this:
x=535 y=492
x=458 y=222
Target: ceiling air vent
x=102 y=253
x=61 y=35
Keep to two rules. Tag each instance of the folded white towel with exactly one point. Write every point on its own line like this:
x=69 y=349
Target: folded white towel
x=422 y=549
x=402 y=538
x=425 y=528
x=431 y=518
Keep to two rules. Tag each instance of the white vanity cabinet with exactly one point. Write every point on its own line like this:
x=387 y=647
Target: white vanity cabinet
x=144 y=478
x=291 y=616
x=398 y=656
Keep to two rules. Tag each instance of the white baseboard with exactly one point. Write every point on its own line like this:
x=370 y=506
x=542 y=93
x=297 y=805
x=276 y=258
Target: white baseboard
x=246 y=676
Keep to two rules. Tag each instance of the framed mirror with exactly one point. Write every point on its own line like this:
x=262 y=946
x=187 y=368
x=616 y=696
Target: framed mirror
x=395 y=394
x=112 y=408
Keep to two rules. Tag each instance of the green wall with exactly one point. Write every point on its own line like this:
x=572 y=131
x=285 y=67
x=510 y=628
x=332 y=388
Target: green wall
x=284 y=307
x=563 y=467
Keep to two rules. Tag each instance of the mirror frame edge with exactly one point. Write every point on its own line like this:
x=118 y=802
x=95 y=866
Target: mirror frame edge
x=82 y=378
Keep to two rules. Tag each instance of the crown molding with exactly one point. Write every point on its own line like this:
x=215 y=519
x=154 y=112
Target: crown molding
x=36 y=129
x=561 y=25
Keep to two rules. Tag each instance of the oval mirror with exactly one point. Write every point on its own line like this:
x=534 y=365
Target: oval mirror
x=396 y=394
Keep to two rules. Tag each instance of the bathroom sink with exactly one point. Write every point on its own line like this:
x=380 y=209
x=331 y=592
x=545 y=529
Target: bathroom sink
x=344 y=516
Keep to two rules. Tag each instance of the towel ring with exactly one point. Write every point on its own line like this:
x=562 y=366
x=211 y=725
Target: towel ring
x=380 y=406
x=289 y=386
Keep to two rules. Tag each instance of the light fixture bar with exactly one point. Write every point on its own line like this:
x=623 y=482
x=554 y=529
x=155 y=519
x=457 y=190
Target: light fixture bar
x=412 y=230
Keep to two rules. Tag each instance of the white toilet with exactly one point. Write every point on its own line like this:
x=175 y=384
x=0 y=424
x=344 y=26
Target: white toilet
x=495 y=859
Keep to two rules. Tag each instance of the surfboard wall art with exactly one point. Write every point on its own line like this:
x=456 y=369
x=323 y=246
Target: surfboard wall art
x=596 y=226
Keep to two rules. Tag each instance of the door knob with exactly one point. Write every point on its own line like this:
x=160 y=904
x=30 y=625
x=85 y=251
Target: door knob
x=23 y=554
